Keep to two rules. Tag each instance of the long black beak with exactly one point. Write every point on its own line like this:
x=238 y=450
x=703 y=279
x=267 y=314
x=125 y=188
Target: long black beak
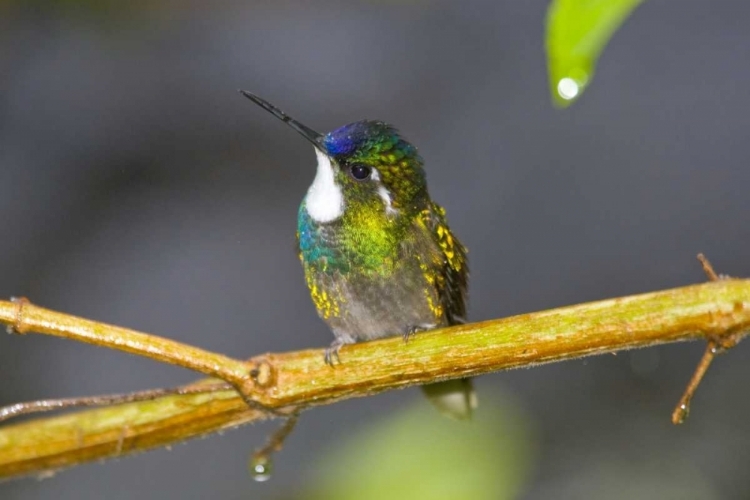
x=314 y=137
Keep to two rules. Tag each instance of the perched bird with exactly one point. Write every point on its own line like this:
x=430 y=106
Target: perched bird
x=378 y=256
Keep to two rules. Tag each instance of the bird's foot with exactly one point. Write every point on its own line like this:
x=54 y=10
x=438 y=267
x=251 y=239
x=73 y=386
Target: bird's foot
x=332 y=352
x=415 y=329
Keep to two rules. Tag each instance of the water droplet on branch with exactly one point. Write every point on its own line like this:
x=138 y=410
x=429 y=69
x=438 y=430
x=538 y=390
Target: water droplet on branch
x=261 y=467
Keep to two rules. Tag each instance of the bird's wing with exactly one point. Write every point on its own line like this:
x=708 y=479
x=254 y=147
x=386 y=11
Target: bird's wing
x=450 y=265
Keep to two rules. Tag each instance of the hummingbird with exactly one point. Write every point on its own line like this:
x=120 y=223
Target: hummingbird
x=378 y=256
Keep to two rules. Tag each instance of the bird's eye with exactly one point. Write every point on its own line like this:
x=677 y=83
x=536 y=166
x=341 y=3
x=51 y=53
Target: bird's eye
x=360 y=172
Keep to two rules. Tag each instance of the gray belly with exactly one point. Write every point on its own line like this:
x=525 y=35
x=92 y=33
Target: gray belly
x=371 y=308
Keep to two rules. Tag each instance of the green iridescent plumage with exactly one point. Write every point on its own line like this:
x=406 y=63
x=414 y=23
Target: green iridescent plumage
x=378 y=256
x=389 y=229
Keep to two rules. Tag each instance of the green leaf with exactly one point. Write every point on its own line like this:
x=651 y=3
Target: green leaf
x=577 y=32
x=419 y=454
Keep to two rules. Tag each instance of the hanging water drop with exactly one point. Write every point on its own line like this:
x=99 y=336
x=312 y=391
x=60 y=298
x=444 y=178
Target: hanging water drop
x=568 y=88
x=681 y=413
x=570 y=85
x=261 y=467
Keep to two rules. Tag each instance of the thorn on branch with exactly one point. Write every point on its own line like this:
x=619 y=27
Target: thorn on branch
x=261 y=462
x=708 y=268
x=682 y=410
x=715 y=346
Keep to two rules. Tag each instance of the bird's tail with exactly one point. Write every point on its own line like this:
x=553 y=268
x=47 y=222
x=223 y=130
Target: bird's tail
x=453 y=398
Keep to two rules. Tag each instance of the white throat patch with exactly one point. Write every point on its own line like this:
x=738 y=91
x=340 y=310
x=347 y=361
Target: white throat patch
x=324 y=200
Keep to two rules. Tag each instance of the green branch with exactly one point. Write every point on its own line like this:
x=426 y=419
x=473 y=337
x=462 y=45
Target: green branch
x=292 y=381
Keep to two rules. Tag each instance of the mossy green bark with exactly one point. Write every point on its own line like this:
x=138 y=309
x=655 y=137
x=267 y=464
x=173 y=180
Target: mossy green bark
x=301 y=379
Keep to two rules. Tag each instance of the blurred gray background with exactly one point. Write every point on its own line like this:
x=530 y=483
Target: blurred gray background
x=137 y=187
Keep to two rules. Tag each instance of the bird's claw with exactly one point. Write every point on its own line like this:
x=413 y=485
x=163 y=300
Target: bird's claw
x=333 y=352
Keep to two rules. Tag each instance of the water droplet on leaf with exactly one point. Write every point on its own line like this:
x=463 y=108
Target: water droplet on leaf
x=568 y=88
